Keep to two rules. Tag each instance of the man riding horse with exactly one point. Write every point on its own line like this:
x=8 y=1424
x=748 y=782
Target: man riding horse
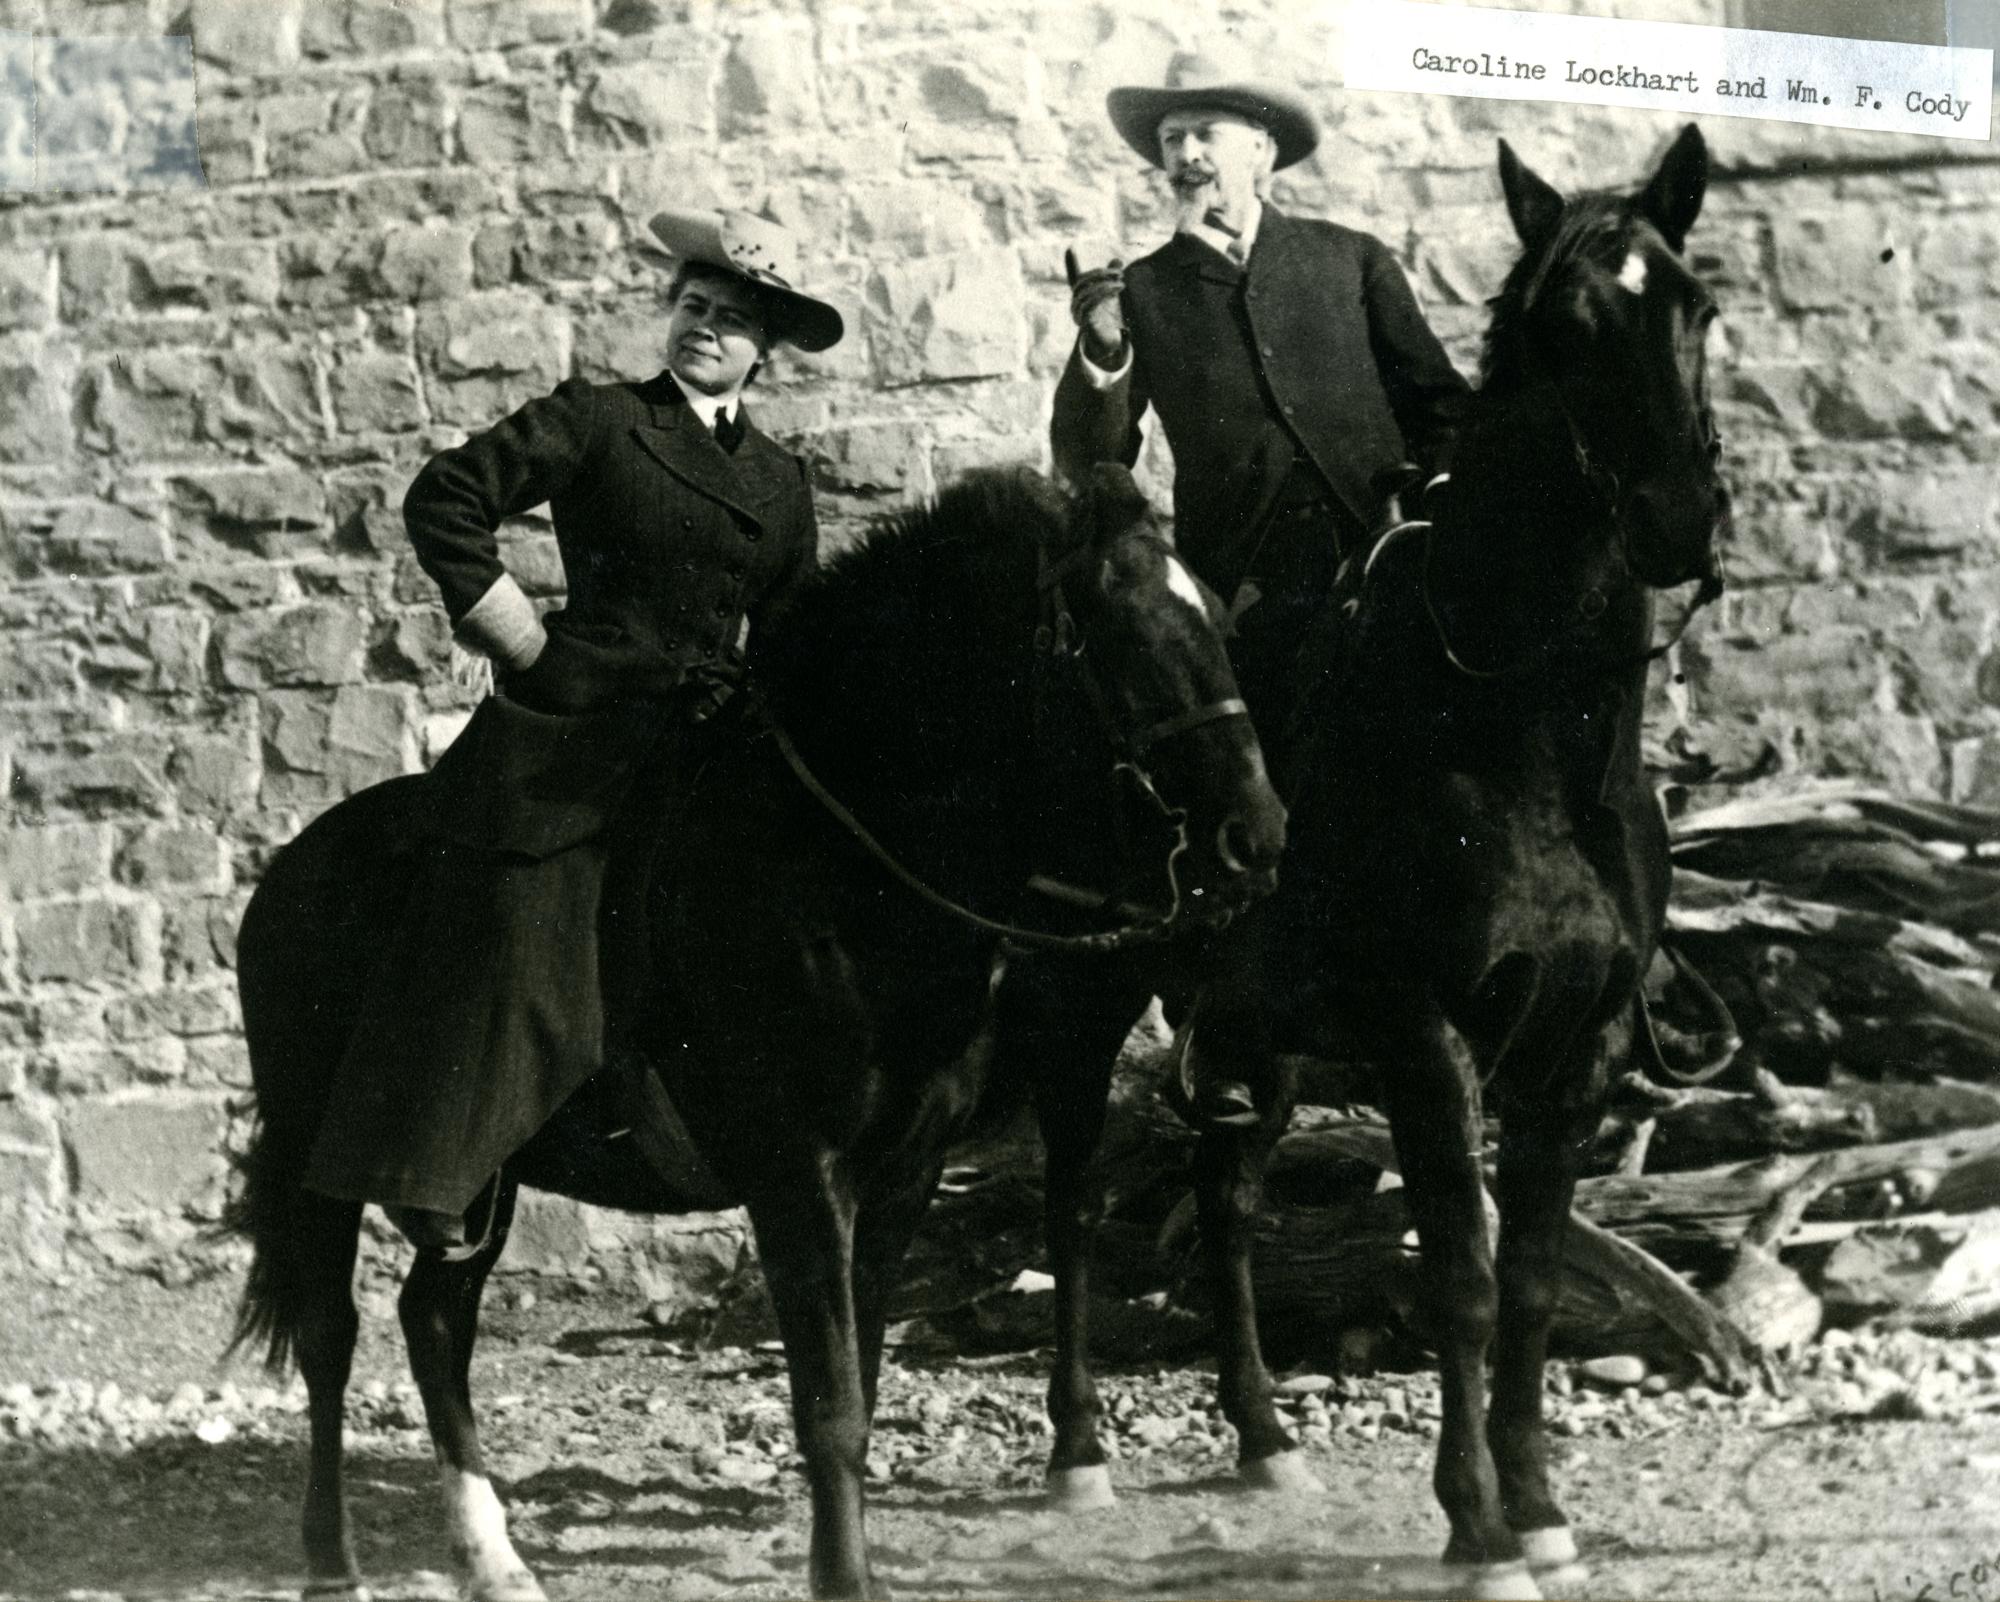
x=1299 y=387
x=681 y=526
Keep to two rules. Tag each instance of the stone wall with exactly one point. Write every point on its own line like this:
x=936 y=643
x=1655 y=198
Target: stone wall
x=407 y=217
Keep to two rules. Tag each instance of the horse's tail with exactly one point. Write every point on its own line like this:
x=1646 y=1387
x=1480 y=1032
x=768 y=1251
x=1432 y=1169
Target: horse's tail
x=307 y=943
x=263 y=1212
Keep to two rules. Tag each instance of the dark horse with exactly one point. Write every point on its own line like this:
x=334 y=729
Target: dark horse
x=1477 y=872
x=964 y=673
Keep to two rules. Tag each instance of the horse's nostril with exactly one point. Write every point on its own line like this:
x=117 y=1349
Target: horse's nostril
x=1233 y=846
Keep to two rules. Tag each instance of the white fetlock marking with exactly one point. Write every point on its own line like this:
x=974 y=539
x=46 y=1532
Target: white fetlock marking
x=494 y=1572
x=1551 y=1553
x=1492 y=1582
x=1286 y=1472
x=1081 y=1490
x=335 y=1591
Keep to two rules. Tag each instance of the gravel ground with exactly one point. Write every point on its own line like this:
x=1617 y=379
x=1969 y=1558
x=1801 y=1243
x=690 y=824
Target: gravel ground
x=635 y=1466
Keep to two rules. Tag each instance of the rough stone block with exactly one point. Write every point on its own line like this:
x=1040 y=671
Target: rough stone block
x=947 y=317
x=316 y=135
x=505 y=125
x=1855 y=258
x=1925 y=515
x=99 y=539
x=1915 y=398
x=496 y=24
x=321 y=748
x=770 y=79
x=214 y=775
x=267 y=397
x=372 y=28
x=40 y=670
x=185 y=1010
x=146 y=404
x=231 y=152
x=271 y=510
x=249 y=39
x=549 y=1235
x=895 y=220
x=1958 y=259
x=376 y=392
x=101 y=943
x=218 y=1060
x=55 y=859
x=95 y=276
x=659 y=102
x=628 y=342
x=427 y=262
x=148 y=1153
x=29 y=1155
x=878 y=457
x=328 y=271
x=118 y=774
x=92 y=1070
x=35 y=409
x=27 y=288
x=206 y=273
x=176 y=855
x=488 y=354
x=415 y=646
x=405 y=125
x=365 y=505
x=313 y=644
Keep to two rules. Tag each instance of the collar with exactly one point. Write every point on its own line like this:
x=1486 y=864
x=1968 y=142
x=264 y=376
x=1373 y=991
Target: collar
x=707 y=406
x=1220 y=242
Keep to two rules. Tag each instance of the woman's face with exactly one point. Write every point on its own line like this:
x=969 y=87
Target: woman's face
x=716 y=333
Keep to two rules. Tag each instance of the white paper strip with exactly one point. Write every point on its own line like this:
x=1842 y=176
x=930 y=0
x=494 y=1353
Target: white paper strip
x=1670 y=66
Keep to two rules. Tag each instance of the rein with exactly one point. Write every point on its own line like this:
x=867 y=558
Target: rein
x=1604 y=487
x=1056 y=639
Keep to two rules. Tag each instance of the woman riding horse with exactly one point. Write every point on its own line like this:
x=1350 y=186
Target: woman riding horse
x=681 y=525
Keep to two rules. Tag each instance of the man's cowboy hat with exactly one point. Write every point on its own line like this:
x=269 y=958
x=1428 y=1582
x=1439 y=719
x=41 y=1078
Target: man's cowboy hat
x=761 y=252
x=1196 y=78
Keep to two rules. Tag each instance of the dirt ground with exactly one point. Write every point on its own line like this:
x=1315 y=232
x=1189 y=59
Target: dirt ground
x=130 y=1466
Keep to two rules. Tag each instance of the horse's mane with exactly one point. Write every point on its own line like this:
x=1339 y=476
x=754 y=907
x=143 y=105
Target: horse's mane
x=893 y=586
x=1587 y=224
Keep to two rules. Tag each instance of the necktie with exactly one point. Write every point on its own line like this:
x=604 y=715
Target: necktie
x=728 y=431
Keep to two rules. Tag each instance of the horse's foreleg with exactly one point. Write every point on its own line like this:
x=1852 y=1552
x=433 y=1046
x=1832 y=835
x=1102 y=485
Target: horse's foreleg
x=325 y=1236
x=1229 y=1188
x=1539 y=1146
x=440 y=1315
x=1433 y=1104
x=805 y=1237
x=1062 y=1027
x=883 y=1230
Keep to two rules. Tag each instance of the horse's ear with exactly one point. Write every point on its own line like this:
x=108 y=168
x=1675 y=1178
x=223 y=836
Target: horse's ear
x=1671 y=200
x=1533 y=204
x=1116 y=501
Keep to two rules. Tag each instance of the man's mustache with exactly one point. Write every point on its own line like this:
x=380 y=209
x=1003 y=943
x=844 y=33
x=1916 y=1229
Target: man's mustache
x=1190 y=177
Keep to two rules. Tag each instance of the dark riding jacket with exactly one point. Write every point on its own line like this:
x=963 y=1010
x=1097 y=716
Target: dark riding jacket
x=486 y=1011
x=1316 y=350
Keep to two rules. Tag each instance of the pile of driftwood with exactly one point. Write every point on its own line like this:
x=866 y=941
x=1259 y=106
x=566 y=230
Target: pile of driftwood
x=1846 y=1167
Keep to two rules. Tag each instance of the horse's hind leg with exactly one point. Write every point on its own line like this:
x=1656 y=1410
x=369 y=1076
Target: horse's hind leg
x=1433 y=1105
x=325 y=1235
x=439 y=1307
x=1539 y=1145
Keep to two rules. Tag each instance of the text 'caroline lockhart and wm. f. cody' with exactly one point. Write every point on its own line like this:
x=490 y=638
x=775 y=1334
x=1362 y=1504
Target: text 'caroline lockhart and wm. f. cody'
x=1678 y=67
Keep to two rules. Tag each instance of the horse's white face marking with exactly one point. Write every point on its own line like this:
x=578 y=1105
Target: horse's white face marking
x=1632 y=276
x=1182 y=583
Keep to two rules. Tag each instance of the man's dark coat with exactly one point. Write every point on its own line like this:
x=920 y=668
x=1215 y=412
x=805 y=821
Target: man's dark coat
x=486 y=1012
x=1319 y=350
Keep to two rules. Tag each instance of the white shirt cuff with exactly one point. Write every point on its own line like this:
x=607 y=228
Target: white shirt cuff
x=504 y=624
x=1097 y=377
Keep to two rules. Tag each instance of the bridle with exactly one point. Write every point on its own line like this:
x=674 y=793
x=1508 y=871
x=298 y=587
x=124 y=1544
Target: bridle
x=1602 y=483
x=1058 y=642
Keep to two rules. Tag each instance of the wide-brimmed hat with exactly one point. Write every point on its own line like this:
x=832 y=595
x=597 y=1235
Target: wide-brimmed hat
x=762 y=252
x=1204 y=78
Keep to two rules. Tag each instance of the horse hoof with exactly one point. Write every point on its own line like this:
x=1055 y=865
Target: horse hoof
x=1081 y=1490
x=517 y=1585
x=1286 y=1473
x=1492 y=1582
x=336 y=1591
x=1551 y=1553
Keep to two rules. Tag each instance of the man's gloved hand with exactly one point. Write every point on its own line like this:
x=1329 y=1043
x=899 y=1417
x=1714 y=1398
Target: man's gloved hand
x=1094 y=304
x=1392 y=486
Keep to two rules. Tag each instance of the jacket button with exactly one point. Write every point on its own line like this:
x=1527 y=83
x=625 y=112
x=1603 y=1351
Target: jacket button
x=687 y=522
x=752 y=532
x=1266 y=349
x=723 y=609
x=1290 y=410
